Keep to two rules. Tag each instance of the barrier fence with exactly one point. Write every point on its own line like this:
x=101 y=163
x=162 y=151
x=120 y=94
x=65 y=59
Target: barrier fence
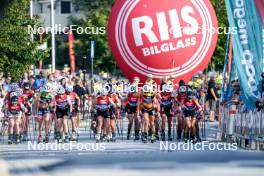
x=246 y=128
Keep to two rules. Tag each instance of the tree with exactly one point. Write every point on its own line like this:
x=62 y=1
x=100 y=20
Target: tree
x=219 y=54
x=17 y=49
x=96 y=15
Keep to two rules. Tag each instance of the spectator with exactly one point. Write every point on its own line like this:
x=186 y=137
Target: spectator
x=53 y=84
x=7 y=82
x=2 y=79
x=32 y=82
x=212 y=96
x=86 y=87
x=41 y=79
x=24 y=79
x=78 y=88
x=63 y=82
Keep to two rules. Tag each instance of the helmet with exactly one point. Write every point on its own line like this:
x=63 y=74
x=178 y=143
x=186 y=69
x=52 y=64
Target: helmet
x=136 y=79
x=26 y=85
x=47 y=88
x=104 y=93
x=196 y=76
x=181 y=83
x=61 y=90
x=200 y=73
x=147 y=88
x=150 y=76
x=212 y=74
x=13 y=94
x=190 y=93
x=69 y=88
x=132 y=88
x=14 y=86
x=167 y=88
x=182 y=90
x=164 y=79
x=19 y=92
x=14 y=99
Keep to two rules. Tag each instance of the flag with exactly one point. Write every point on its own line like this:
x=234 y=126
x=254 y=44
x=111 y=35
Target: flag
x=247 y=47
x=71 y=51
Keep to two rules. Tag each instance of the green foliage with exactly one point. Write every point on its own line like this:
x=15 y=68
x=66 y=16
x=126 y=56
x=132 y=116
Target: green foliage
x=17 y=50
x=96 y=15
x=219 y=54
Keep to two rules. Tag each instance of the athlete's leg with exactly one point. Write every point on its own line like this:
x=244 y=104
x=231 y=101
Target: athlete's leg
x=100 y=120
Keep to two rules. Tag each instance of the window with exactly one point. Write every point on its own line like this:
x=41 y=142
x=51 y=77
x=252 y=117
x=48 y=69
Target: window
x=41 y=8
x=65 y=7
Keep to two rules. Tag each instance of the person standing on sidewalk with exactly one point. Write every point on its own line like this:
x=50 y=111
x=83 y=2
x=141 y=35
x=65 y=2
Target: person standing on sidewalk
x=212 y=96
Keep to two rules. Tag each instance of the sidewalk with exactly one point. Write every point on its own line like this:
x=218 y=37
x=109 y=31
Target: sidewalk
x=4 y=171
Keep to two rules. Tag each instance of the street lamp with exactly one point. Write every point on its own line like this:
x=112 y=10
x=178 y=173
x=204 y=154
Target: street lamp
x=53 y=37
x=83 y=69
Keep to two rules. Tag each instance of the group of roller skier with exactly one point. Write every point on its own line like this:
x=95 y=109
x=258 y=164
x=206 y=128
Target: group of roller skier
x=151 y=111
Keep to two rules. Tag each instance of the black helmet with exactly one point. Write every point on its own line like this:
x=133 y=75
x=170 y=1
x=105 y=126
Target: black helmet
x=26 y=85
x=14 y=99
x=181 y=83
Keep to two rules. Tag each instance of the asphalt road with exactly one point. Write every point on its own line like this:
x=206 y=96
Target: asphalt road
x=133 y=158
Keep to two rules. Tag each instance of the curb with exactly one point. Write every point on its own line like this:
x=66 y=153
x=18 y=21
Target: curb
x=4 y=169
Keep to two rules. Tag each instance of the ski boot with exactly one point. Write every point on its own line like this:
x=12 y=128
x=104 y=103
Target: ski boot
x=186 y=137
x=17 y=138
x=179 y=135
x=113 y=139
x=136 y=135
x=40 y=139
x=157 y=135
x=145 y=137
x=153 y=138
x=24 y=137
x=103 y=138
x=10 y=139
x=162 y=135
x=97 y=138
x=47 y=138
x=128 y=134
x=66 y=140
x=74 y=136
x=59 y=138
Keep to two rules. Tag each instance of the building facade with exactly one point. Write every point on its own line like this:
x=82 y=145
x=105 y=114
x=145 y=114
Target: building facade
x=63 y=9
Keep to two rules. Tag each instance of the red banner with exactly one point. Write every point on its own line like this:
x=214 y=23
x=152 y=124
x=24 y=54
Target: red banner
x=40 y=61
x=230 y=55
x=260 y=7
x=71 y=51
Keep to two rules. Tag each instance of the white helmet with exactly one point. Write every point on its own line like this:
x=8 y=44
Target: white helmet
x=104 y=93
x=47 y=88
x=182 y=89
x=132 y=88
x=168 y=88
x=150 y=76
x=14 y=87
x=136 y=79
x=13 y=94
x=61 y=90
x=69 y=88
x=19 y=92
